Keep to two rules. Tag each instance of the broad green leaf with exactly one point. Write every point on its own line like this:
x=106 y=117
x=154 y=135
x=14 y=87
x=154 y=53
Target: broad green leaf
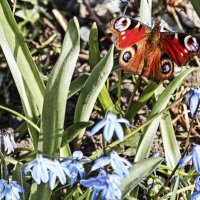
x=12 y=38
x=138 y=172
x=171 y=148
x=150 y=131
x=92 y=87
x=77 y=84
x=18 y=175
x=29 y=105
x=196 y=6
x=94 y=53
x=145 y=12
x=94 y=58
x=72 y=131
x=173 y=197
x=105 y=101
x=55 y=98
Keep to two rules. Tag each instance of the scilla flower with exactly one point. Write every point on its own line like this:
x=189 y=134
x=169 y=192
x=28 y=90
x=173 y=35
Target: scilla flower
x=7 y=139
x=194 y=99
x=59 y=172
x=111 y=124
x=119 y=164
x=40 y=169
x=195 y=156
x=75 y=166
x=196 y=195
x=10 y=190
x=107 y=184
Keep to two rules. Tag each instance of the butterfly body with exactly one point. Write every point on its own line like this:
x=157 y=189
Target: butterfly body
x=148 y=51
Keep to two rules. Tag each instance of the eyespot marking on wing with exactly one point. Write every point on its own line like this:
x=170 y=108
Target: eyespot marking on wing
x=121 y=24
x=166 y=65
x=191 y=43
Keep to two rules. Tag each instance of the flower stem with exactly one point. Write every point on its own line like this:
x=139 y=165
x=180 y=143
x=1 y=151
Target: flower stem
x=170 y=177
x=191 y=126
x=185 y=150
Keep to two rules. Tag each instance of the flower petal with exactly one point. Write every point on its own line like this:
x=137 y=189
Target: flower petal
x=196 y=160
x=119 y=131
x=197 y=183
x=98 y=126
x=195 y=196
x=185 y=160
x=108 y=131
x=100 y=163
x=123 y=120
x=77 y=155
x=193 y=102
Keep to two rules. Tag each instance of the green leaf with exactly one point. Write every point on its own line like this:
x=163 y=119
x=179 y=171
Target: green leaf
x=94 y=58
x=105 y=101
x=12 y=38
x=138 y=172
x=150 y=131
x=77 y=84
x=72 y=132
x=55 y=98
x=171 y=148
x=18 y=175
x=92 y=87
x=94 y=53
x=196 y=6
x=173 y=197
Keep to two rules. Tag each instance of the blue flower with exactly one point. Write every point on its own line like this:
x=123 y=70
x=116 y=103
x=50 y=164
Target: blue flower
x=155 y=154
x=118 y=163
x=59 y=171
x=195 y=156
x=105 y=183
x=74 y=165
x=194 y=99
x=10 y=190
x=196 y=195
x=7 y=138
x=40 y=169
x=110 y=124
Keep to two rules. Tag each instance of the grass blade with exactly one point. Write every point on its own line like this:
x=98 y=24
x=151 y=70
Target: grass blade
x=150 y=131
x=171 y=147
x=92 y=87
x=13 y=38
x=138 y=172
x=55 y=99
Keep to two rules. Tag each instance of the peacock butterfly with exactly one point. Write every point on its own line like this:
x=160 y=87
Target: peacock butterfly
x=148 y=51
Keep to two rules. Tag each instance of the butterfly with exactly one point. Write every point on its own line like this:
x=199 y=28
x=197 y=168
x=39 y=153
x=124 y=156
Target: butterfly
x=148 y=51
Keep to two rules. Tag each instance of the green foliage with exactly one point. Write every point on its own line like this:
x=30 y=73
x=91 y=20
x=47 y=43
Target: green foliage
x=45 y=110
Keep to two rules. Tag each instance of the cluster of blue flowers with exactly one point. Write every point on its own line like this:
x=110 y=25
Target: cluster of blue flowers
x=10 y=189
x=194 y=155
x=45 y=170
x=108 y=184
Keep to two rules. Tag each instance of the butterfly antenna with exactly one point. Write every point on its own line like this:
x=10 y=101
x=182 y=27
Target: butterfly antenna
x=126 y=6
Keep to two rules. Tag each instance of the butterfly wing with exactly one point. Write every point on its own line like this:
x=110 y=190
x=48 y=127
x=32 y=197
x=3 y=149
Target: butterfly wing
x=127 y=31
x=138 y=55
x=180 y=47
x=147 y=60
